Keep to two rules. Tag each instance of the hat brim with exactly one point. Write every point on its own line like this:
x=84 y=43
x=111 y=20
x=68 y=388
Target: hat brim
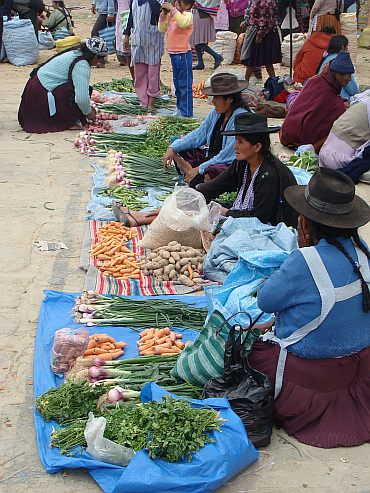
x=359 y=215
x=241 y=86
x=268 y=130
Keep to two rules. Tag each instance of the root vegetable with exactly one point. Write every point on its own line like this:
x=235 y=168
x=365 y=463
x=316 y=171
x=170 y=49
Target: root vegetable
x=186 y=281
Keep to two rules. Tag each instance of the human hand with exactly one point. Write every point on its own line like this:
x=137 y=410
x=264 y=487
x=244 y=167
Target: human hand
x=167 y=158
x=304 y=240
x=258 y=40
x=191 y=174
x=92 y=114
x=126 y=43
x=93 y=8
x=110 y=18
x=167 y=6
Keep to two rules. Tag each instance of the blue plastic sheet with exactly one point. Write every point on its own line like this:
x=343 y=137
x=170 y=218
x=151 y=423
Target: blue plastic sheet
x=244 y=234
x=231 y=454
x=301 y=175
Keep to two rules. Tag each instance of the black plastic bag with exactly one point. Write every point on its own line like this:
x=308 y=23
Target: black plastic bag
x=247 y=390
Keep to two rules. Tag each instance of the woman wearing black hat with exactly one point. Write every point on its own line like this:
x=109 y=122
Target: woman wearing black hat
x=258 y=176
x=318 y=355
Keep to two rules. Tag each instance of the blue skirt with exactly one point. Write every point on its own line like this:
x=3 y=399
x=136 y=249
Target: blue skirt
x=265 y=53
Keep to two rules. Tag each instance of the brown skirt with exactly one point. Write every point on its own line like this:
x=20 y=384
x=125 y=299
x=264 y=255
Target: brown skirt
x=323 y=402
x=328 y=20
x=34 y=113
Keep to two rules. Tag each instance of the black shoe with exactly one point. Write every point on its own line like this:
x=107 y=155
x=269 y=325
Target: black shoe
x=218 y=60
x=198 y=67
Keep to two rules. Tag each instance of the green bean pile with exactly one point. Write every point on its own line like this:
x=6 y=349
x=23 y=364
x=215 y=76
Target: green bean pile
x=127 y=196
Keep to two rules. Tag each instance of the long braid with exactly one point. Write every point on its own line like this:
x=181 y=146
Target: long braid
x=72 y=101
x=331 y=234
x=279 y=213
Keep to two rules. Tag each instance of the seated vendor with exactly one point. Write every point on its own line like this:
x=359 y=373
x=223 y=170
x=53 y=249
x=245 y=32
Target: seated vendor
x=58 y=19
x=348 y=134
x=258 y=176
x=197 y=164
x=317 y=356
x=57 y=95
x=312 y=51
x=318 y=105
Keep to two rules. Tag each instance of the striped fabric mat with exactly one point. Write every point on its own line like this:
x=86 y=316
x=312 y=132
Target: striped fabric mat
x=145 y=286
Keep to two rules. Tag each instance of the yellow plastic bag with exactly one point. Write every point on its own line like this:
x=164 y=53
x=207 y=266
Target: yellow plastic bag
x=364 y=39
x=68 y=42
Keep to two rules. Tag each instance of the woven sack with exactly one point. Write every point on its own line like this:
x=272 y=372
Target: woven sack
x=20 y=42
x=251 y=95
x=225 y=45
x=203 y=359
x=298 y=42
x=348 y=23
x=239 y=41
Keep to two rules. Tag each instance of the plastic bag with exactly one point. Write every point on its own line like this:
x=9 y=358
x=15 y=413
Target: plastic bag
x=247 y=390
x=183 y=214
x=20 y=42
x=225 y=45
x=69 y=344
x=101 y=448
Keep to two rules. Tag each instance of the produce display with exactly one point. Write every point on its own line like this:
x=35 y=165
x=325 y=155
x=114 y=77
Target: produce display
x=306 y=160
x=105 y=347
x=127 y=312
x=174 y=262
x=126 y=196
x=122 y=85
x=68 y=345
x=160 y=341
x=197 y=90
x=115 y=259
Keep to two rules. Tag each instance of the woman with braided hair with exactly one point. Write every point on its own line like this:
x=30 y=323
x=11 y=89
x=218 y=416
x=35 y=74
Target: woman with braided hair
x=57 y=95
x=318 y=354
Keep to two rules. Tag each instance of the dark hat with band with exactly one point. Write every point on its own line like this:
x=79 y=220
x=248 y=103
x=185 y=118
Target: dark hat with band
x=250 y=123
x=329 y=199
x=223 y=84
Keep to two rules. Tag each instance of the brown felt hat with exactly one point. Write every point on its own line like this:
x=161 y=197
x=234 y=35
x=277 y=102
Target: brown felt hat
x=329 y=198
x=223 y=84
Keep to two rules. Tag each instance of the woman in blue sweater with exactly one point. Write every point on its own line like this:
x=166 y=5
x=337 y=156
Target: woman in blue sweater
x=318 y=355
x=196 y=164
x=57 y=95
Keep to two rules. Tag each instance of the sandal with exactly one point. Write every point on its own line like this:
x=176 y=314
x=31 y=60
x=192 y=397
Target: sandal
x=122 y=216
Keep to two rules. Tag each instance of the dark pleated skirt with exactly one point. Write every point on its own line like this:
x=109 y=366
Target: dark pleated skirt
x=323 y=402
x=34 y=114
x=265 y=53
x=234 y=24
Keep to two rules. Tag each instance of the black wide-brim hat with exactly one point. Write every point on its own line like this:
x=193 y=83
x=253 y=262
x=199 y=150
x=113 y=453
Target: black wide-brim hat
x=329 y=199
x=251 y=123
x=223 y=84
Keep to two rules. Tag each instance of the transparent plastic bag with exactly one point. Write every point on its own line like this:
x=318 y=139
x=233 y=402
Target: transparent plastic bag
x=101 y=448
x=183 y=214
x=69 y=344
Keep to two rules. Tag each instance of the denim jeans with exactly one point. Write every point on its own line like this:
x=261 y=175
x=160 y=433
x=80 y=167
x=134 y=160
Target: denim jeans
x=183 y=81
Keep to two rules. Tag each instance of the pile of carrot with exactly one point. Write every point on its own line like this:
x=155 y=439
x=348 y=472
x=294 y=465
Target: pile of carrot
x=197 y=90
x=104 y=347
x=114 y=258
x=160 y=341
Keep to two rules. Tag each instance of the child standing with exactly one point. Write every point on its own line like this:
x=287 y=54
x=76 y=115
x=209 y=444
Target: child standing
x=178 y=22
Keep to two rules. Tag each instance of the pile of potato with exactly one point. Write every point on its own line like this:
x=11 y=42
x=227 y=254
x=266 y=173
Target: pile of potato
x=174 y=262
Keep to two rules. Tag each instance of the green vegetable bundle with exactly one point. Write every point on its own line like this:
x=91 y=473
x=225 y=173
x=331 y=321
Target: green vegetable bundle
x=122 y=85
x=171 y=429
x=127 y=196
x=127 y=312
x=306 y=160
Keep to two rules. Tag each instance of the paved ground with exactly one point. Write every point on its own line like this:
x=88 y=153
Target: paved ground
x=44 y=189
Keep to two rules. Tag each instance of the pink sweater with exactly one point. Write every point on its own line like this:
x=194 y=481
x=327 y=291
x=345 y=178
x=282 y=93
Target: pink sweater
x=179 y=26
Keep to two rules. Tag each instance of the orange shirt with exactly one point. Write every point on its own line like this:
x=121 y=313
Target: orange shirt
x=179 y=26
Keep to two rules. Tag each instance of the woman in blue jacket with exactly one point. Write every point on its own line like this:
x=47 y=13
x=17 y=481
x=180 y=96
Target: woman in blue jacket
x=199 y=165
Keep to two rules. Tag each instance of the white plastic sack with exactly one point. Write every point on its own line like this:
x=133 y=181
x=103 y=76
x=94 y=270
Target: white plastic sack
x=348 y=22
x=20 y=42
x=298 y=42
x=225 y=46
x=183 y=214
x=46 y=41
x=101 y=448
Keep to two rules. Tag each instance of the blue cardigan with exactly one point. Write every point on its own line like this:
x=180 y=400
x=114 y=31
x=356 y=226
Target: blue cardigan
x=291 y=294
x=202 y=136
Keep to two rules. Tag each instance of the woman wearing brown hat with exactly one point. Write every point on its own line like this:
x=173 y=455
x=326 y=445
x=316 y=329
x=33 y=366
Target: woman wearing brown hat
x=258 y=176
x=318 y=355
x=197 y=164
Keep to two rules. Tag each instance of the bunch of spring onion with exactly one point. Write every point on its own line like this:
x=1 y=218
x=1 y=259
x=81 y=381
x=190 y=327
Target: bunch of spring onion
x=135 y=373
x=124 y=109
x=96 y=309
x=114 y=140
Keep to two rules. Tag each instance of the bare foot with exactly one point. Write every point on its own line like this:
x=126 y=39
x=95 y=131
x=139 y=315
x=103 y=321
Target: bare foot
x=75 y=127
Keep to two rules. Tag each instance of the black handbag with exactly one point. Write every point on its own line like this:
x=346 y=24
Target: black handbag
x=248 y=391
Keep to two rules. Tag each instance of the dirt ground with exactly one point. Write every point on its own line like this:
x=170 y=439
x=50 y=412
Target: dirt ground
x=45 y=187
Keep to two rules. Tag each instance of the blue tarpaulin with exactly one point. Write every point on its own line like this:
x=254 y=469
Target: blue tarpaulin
x=211 y=466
